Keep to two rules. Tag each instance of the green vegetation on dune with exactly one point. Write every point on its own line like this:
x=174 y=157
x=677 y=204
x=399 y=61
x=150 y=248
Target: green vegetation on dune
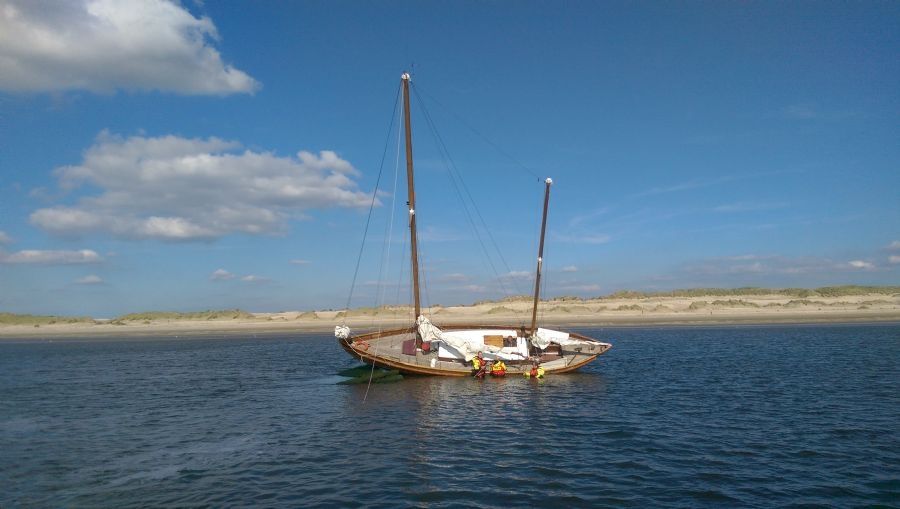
x=225 y=314
x=798 y=298
x=17 y=319
x=842 y=291
x=734 y=303
x=511 y=298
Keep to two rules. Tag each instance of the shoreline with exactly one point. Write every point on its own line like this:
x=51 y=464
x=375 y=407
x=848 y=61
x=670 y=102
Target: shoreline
x=178 y=329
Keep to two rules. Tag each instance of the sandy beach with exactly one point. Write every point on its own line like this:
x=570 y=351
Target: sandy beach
x=562 y=313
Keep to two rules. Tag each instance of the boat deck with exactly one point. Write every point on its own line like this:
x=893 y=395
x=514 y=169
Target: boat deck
x=395 y=349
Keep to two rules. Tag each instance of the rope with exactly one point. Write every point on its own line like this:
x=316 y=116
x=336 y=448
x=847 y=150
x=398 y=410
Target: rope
x=483 y=137
x=371 y=207
x=454 y=174
x=381 y=289
x=452 y=166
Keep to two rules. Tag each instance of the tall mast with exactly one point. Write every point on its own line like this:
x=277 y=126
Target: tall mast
x=540 y=260
x=411 y=193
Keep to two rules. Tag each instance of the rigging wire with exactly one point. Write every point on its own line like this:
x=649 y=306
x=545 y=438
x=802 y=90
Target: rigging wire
x=462 y=199
x=371 y=206
x=459 y=188
x=484 y=138
x=381 y=288
x=452 y=166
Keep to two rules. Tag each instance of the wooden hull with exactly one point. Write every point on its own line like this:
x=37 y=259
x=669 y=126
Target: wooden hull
x=385 y=349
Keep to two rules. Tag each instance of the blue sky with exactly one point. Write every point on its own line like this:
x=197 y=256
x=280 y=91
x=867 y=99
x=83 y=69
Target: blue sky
x=198 y=155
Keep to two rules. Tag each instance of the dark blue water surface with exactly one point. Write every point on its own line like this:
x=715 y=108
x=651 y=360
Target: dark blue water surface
x=676 y=417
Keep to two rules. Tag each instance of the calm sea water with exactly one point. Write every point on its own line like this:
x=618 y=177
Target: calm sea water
x=676 y=417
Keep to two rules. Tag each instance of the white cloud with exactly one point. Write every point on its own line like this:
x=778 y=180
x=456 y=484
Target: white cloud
x=894 y=259
x=298 y=261
x=893 y=246
x=475 y=288
x=4 y=238
x=517 y=274
x=859 y=264
x=90 y=280
x=221 y=275
x=800 y=111
x=570 y=268
x=224 y=275
x=744 y=257
x=104 y=45
x=251 y=278
x=757 y=265
x=753 y=266
x=39 y=257
x=180 y=189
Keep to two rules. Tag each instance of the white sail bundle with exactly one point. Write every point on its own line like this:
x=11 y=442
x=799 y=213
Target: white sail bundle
x=428 y=331
x=542 y=338
x=341 y=331
x=466 y=344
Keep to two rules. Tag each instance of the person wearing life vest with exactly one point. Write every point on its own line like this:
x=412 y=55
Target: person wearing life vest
x=537 y=371
x=499 y=368
x=478 y=365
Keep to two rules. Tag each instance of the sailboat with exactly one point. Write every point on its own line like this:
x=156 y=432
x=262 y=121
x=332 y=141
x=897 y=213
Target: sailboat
x=423 y=348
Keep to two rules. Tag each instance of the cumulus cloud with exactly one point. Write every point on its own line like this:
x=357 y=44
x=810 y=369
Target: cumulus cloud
x=860 y=264
x=894 y=246
x=4 y=238
x=39 y=257
x=221 y=275
x=570 y=268
x=89 y=280
x=104 y=45
x=183 y=189
x=894 y=259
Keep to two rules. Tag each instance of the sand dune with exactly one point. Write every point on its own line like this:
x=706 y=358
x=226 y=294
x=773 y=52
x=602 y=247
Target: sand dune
x=608 y=311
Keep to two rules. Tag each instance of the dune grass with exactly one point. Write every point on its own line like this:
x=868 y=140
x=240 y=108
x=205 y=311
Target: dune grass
x=20 y=319
x=225 y=314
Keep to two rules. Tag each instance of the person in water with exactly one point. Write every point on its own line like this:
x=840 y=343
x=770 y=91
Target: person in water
x=537 y=371
x=478 y=365
x=499 y=368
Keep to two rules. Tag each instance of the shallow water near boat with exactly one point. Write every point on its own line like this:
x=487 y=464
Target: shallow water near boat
x=714 y=416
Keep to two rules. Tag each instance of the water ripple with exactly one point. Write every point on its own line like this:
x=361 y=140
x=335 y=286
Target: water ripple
x=704 y=417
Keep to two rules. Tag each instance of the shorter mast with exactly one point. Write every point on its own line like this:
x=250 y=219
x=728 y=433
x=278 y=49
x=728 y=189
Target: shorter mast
x=540 y=260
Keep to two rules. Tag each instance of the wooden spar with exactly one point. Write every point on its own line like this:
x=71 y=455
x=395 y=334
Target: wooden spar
x=540 y=260
x=411 y=192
